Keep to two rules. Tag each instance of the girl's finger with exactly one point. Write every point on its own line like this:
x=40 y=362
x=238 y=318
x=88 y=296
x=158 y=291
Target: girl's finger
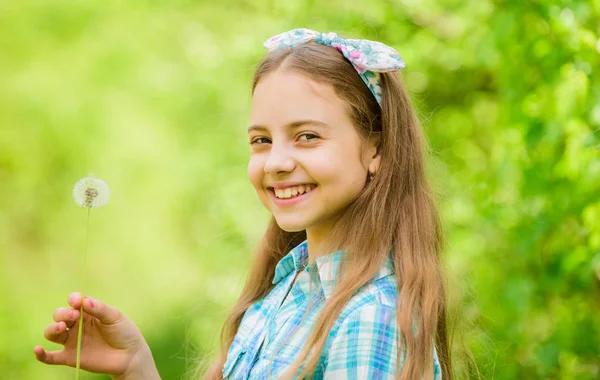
x=49 y=357
x=74 y=300
x=105 y=313
x=68 y=315
x=56 y=332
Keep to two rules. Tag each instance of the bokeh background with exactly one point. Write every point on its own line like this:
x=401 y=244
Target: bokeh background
x=154 y=96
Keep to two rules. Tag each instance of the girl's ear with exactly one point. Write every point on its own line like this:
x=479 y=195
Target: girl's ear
x=373 y=153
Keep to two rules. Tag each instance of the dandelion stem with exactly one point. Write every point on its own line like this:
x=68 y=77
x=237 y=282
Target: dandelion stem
x=83 y=272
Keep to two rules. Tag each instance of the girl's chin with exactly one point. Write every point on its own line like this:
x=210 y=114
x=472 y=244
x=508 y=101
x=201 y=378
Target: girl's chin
x=289 y=225
x=291 y=228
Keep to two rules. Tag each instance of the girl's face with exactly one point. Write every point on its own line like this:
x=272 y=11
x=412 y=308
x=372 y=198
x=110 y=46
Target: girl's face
x=307 y=162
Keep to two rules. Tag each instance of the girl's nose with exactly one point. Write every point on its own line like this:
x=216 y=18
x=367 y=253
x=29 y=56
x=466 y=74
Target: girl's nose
x=279 y=161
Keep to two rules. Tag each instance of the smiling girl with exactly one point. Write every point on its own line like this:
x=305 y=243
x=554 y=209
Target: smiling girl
x=347 y=281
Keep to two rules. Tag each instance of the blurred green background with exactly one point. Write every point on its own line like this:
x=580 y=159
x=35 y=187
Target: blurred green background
x=153 y=97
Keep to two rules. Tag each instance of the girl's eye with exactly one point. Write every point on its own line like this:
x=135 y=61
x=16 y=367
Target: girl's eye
x=260 y=140
x=308 y=137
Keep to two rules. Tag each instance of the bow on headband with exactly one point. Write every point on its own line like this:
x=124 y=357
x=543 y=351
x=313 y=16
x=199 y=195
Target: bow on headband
x=369 y=58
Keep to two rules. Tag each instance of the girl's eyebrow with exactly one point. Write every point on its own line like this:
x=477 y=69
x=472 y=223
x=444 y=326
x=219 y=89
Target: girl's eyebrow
x=292 y=125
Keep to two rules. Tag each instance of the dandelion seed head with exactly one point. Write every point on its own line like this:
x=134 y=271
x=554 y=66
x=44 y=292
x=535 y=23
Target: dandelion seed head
x=91 y=192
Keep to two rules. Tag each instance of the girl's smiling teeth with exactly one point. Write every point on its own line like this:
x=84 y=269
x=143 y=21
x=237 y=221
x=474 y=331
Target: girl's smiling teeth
x=294 y=191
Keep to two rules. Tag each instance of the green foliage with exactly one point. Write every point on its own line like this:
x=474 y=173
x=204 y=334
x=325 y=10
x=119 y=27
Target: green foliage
x=153 y=98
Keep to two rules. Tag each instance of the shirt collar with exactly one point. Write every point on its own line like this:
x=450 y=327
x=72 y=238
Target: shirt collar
x=328 y=267
x=295 y=260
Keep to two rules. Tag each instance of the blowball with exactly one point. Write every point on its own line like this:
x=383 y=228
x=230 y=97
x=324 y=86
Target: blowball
x=91 y=192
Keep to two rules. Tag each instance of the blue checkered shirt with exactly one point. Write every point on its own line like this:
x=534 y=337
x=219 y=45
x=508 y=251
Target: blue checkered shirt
x=361 y=344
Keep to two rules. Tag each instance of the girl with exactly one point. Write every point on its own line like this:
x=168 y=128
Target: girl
x=347 y=281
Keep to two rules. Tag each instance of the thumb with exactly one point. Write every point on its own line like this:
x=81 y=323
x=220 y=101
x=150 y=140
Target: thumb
x=105 y=313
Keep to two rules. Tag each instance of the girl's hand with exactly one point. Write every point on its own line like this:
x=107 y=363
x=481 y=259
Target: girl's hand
x=111 y=343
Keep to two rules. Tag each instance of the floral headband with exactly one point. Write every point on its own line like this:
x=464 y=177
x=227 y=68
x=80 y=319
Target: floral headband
x=369 y=58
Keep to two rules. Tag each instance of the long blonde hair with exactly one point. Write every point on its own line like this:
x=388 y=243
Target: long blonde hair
x=394 y=213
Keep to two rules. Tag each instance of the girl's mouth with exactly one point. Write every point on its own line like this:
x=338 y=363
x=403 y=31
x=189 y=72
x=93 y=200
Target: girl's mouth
x=292 y=192
x=291 y=195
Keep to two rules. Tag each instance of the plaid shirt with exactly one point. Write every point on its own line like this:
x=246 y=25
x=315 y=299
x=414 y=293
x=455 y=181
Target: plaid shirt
x=360 y=345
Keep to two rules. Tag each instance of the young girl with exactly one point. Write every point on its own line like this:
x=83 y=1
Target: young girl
x=347 y=282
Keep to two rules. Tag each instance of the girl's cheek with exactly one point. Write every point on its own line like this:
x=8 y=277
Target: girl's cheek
x=256 y=171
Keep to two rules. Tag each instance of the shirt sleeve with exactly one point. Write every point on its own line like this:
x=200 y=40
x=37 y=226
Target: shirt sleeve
x=364 y=346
